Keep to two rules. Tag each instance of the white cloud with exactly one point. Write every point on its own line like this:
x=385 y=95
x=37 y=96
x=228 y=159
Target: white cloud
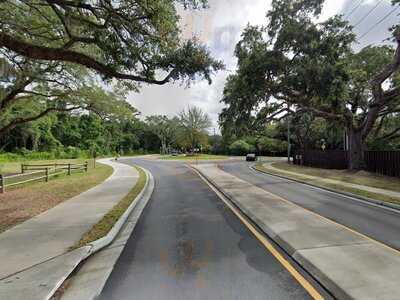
x=331 y=8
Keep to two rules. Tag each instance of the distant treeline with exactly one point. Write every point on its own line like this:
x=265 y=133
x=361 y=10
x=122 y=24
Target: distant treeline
x=71 y=136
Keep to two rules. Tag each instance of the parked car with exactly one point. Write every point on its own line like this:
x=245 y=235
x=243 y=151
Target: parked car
x=251 y=157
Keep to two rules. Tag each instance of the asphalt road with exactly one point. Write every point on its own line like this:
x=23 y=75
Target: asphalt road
x=189 y=245
x=378 y=223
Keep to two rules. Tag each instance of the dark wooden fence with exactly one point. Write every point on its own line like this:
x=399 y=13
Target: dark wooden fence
x=381 y=162
x=330 y=159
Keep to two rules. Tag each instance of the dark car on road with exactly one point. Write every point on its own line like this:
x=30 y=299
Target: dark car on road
x=251 y=157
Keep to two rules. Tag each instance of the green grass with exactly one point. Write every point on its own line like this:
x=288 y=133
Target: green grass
x=363 y=193
x=24 y=202
x=195 y=157
x=101 y=229
x=355 y=177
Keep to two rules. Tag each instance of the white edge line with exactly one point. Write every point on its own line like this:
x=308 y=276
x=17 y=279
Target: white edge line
x=331 y=192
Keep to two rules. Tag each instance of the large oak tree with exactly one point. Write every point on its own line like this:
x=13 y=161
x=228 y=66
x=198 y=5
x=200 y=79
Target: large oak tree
x=126 y=39
x=296 y=65
x=49 y=45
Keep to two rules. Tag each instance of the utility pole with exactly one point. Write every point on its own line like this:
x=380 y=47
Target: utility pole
x=288 y=134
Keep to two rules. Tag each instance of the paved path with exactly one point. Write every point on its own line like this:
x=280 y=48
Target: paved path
x=35 y=248
x=89 y=280
x=350 y=265
x=374 y=221
x=189 y=245
x=336 y=182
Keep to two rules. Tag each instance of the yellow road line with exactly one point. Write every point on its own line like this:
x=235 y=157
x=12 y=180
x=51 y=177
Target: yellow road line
x=325 y=218
x=284 y=262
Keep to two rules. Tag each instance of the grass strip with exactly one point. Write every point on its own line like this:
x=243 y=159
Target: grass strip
x=101 y=229
x=348 y=176
x=335 y=187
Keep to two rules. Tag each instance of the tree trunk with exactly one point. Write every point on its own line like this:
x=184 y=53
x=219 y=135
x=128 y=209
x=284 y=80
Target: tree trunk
x=163 y=147
x=356 y=150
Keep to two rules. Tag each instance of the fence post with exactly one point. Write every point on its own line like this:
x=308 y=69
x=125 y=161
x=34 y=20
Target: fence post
x=2 y=183
x=22 y=168
x=86 y=166
x=47 y=174
x=69 y=169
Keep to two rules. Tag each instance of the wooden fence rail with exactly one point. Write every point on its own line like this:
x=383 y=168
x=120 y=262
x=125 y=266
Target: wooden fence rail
x=31 y=173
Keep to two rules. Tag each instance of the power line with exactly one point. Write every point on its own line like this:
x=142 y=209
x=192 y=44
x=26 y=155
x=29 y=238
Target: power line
x=354 y=9
x=368 y=13
x=379 y=22
x=380 y=42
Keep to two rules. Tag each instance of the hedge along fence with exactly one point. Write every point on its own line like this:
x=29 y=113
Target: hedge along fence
x=30 y=173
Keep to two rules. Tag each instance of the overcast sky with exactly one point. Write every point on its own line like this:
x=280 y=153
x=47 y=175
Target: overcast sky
x=219 y=27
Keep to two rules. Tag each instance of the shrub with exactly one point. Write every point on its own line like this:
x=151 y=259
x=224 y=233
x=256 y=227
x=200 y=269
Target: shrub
x=39 y=156
x=240 y=147
x=59 y=153
x=8 y=157
x=272 y=146
x=72 y=152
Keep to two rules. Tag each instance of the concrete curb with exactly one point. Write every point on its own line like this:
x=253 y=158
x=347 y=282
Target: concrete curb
x=347 y=194
x=103 y=242
x=341 y=260
x=329 y=285
x=255 y=221
x=106 y=240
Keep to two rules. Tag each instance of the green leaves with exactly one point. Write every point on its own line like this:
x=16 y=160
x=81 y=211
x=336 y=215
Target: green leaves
x=287 y=13
x=312 y=68
x=193 y=127
x=189 y=61
x=126 y=39
x=55 y=47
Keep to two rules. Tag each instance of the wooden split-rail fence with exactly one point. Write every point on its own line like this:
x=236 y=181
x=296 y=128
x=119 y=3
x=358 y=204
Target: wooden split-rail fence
x=30 y=172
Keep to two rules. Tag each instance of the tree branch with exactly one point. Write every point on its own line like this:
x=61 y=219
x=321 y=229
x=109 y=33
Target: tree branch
x=19 y=121
x=11 y=96
x=379 y=78
x=320 y=113
x=77 y=4
x=389 y=135
x=51 y=54
x=380 y=126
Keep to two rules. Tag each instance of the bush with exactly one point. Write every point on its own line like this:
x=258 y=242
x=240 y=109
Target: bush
x=270 y=146
x=8 y=157
x=39 y=156
x=60 y=153
x=240 y=147
x=73 y=152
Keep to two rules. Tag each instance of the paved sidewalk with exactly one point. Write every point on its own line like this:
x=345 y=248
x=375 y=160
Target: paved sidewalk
x=88 y=282
x=32 y=252
x=336 y=182
x=350 y=265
